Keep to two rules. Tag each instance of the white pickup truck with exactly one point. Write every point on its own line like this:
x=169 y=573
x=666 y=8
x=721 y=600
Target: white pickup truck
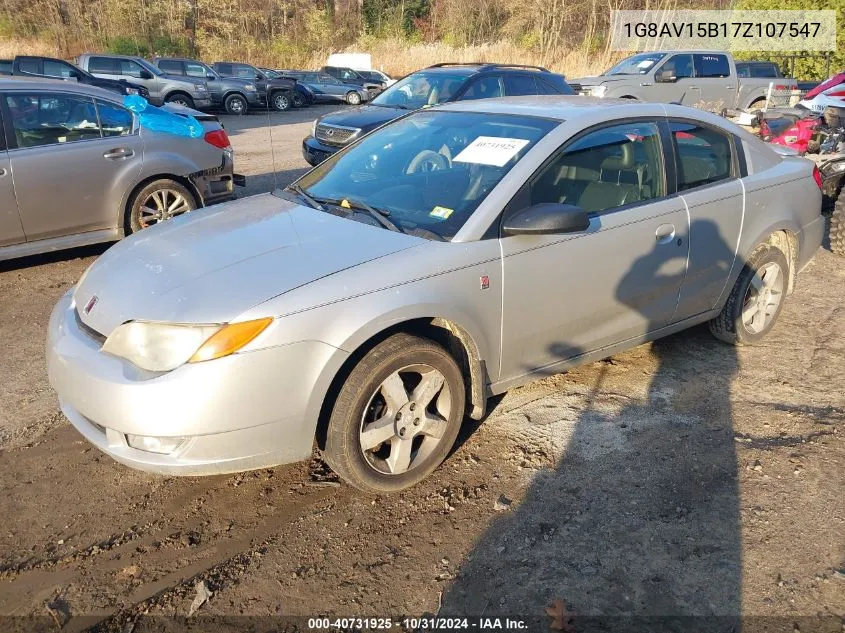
x=687 y=77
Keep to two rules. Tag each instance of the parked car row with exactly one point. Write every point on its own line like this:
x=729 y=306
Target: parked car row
x=235 y=87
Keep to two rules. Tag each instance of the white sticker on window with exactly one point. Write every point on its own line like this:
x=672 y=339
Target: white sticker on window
x=646 y=63
x=490 y=150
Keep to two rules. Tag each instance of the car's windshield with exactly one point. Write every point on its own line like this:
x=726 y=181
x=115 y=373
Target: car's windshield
x=428 y=171
x=148 y=66
x=420 y=89
x=636 y=65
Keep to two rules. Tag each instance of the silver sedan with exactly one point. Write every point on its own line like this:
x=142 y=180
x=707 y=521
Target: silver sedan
x=446 y=257
x=78 y=167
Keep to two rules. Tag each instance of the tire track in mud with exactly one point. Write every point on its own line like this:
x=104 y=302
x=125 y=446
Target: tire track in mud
x=145 y=536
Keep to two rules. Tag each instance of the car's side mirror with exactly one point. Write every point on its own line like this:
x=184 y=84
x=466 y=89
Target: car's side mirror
x=665 y=77
x=145 y=74
x=547 y=218
x=211 y=77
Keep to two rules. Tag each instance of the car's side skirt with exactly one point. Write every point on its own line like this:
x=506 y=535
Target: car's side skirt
x=604 y=352
x=59 y=243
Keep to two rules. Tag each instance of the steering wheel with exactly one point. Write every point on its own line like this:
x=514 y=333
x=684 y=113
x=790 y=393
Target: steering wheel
x=428 y=160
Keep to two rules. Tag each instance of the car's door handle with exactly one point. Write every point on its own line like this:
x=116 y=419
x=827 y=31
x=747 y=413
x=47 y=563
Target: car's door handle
x=647 y=83
x=2 y=172
x=665 y=233
x=731 y=87
x=119 y=152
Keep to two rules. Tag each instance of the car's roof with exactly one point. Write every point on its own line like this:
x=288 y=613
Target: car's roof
x=134 y=57
x=41 y=83
x=559 y=107
x=178 y=59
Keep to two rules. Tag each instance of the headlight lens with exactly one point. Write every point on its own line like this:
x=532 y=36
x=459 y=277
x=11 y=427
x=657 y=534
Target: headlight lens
x=166 y=346
x=598 y=91
x=132 y=91
x=250 y=88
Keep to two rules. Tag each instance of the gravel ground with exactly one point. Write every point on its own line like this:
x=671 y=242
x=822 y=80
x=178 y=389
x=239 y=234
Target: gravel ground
x=682 y=478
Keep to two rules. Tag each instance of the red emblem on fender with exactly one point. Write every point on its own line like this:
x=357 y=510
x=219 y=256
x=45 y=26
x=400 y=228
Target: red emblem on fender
x=90 y=305
x=485 y=282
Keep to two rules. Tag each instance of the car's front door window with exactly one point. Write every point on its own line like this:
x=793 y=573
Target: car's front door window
x=130 y=68
x=605 y=169
x=192 y=69
x=55 y=68
x=51 y=119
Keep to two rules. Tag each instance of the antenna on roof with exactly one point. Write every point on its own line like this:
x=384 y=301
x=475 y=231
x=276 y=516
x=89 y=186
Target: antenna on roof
x=272 y=149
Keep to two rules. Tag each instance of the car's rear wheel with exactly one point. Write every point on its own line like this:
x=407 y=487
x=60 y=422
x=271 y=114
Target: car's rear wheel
x=837 y=225
x=397 y=415
x=756 y=300
x=353 y=98
x=235 y=104
x=181 y=99
x=158 y=201
x=298 y=100
x=280 y=101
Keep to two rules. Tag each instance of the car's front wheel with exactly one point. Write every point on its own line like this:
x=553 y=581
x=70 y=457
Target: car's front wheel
x=280 y=101
x=756 y=300
x=397 y=415
x=158 y=201
x=235 y=104
x=353 y=98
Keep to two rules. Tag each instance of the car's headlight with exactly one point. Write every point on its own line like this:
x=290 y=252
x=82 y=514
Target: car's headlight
x=166 y=346
x=598 y=91
x=132 y=91
x=250 y=88
x=314 y=128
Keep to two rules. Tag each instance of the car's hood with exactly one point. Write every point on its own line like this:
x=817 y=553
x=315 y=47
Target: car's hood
x=598 y=80
x=209 y=266
x=366 y=117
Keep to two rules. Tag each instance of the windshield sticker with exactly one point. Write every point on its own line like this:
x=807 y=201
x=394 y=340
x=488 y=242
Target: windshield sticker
x=490 y=150
x=646 y=63
x=441 y=212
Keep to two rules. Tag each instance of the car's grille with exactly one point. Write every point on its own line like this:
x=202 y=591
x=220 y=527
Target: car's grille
x=91 y=332
x=335 y=135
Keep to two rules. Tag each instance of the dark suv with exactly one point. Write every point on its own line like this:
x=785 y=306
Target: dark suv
x=278 y=91
x=234 y=94
x=436 y=84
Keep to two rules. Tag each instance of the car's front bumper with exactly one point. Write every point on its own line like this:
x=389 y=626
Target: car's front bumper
x=202 y=103
x=314 y=152
x=244 y=411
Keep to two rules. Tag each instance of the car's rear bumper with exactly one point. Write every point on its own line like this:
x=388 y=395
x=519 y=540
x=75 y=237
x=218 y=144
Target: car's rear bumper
x=218 y=183
x=241 y=412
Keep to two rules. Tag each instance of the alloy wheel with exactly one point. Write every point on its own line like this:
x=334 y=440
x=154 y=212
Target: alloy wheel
x=763 y=298
x=160 y=205
x=405 y=419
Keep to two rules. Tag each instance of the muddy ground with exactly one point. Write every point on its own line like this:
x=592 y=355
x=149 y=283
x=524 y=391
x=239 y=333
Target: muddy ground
x=683 y=478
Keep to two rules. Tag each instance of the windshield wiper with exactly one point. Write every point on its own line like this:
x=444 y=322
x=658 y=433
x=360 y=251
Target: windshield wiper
x=312 y=202
x=379 y=215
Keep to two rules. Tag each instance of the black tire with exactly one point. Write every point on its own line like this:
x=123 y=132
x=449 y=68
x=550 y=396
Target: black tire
x=837 y=225
x=359 y=395
x=137 y=218
x=298 y=100
x=180 y=98
x=280 y=101
x=729 y=326
x=353 y=98
x=235 y=104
